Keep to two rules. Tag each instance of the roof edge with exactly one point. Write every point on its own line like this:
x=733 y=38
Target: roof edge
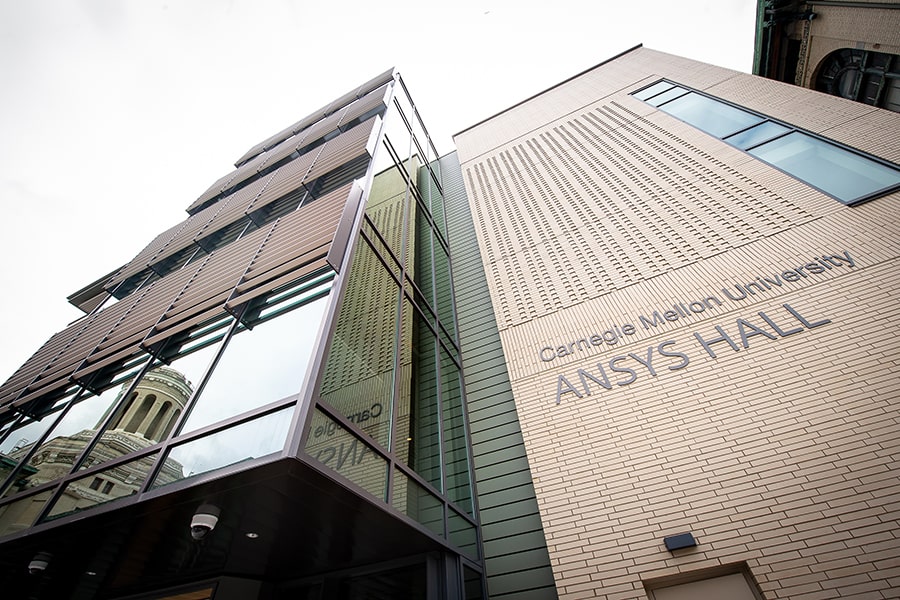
x=563 y=82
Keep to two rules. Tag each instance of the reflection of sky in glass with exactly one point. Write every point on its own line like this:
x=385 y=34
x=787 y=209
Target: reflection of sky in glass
x=194 y=365
x=82 y=416
x=757 y=135
x=711 y=116
x=85 y=414
x=654 y=89
x=260 y=366
x=191 y=366
x=246 y=441
x=29 y=434
x=666 y=96
x=842 y=174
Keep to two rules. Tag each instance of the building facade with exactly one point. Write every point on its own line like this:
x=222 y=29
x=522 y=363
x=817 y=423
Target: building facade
x=267 y=400
x=694 y=276
x=847 y=48
x=635 y=338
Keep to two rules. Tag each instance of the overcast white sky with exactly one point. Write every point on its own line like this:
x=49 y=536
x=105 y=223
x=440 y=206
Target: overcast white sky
x=115 y=114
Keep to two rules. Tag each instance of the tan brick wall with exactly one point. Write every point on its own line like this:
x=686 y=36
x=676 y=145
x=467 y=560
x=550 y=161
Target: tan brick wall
x=783 y=454
x=837 y=27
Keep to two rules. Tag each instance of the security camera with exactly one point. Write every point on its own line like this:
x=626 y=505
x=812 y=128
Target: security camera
x=204 y=521
x=39 y=563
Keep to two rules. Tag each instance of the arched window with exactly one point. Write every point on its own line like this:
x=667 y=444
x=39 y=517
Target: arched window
x=141 y=413
x=170 y=424
x=118 y=421
x=161 y=413
x=861 y=75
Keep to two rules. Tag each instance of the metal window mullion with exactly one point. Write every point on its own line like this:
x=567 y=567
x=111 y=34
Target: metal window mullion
x=238 y=311
x=861 y=75
x=312 y=385
x=89 y=447
x=373 y=444
x=198 y=391
x=763 y=143
x=827 y=140
x=176 y=440
x=5 y=484
x=398 y=330
x=111 y=415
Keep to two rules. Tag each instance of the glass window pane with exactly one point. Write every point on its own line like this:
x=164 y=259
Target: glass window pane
x=461 y=532
x=416 y=502
x=444 y=290
x=424 y=248
x=843 y=174
x=231 y=446
x=406 y=583
x=387 y=203
x=288 y=297
x=29 y=430
x=151 y=410
x=456 y=457
x=671 y=94
x=473 y=584
x=339 y=450
x=259 y=366
x=358 y=379
x=383 y=252
x=56 y=455
x=756 y=135
x=431 y=195
x=418 y=427
x=20 y=514
x=714 y=117
x=656 y=88
x=99 y=488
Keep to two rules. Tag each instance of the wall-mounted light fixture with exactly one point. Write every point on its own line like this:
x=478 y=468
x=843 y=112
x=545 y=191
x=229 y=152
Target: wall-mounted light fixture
x=677 y=542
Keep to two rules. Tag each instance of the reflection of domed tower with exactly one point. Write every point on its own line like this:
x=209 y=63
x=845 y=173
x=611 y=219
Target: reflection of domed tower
x=145 y=419
x=155 y=405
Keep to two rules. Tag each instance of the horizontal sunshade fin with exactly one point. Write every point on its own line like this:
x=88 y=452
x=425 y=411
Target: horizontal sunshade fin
x=375 y=83
x=201 y=317
x=299 y=238
x=209 y=288
x=342 y=149
x=323 y=127
x=25 y=374
x=67 y=360
x=86 y=370
x=265 y=145
x=147 y=255
x=187 y=235
x=287 y=179
x=28 y=397
x=315 y=116
x=280 y=152
x=247 y=171
x=375 y=99
x=238 y=205
x=214 y=190
x=317 y=263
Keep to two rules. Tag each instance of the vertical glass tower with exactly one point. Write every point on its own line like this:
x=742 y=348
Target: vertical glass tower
x=267 y=401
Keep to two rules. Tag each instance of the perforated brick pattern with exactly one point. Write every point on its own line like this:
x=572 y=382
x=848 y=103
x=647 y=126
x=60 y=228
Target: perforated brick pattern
x=781 y=451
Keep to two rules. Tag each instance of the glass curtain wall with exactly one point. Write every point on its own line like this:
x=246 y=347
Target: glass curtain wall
x=220 y=395
x=389 y=414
